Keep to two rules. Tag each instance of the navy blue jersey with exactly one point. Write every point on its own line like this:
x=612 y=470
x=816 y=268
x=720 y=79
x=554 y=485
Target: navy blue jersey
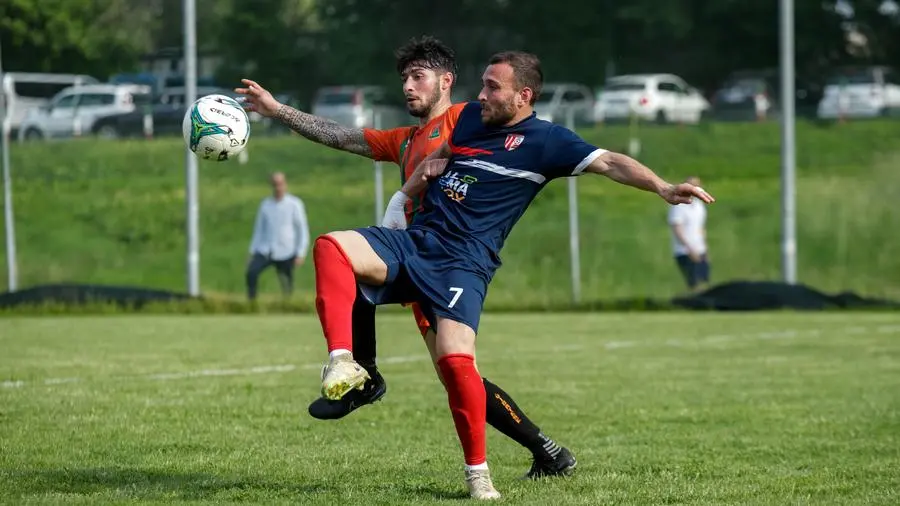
x=491 y=178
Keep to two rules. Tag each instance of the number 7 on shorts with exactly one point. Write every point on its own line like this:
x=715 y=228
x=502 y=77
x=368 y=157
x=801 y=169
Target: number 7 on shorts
x=456 y=293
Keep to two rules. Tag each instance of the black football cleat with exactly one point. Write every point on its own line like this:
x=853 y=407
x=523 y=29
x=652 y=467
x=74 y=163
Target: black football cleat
x=562 y=465
x=373 y=390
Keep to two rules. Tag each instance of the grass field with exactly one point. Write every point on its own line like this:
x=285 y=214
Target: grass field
x=113 y=213
x=675 y=408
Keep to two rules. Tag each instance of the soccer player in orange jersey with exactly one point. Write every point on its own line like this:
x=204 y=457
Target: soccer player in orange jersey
x=428 y=71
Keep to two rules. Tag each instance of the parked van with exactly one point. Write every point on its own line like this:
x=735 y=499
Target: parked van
x=24 y=91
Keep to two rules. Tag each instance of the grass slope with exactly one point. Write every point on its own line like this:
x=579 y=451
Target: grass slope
x=662 y=409
x=92 y=211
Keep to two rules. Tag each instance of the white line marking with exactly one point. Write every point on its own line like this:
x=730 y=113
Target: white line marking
x=263 y=369
x=615 y=345
x=404 y=359
x=609 y=345
x=60 y=381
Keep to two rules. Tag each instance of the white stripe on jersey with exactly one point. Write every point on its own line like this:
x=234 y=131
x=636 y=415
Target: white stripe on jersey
x=587 y=161
x=504 y=171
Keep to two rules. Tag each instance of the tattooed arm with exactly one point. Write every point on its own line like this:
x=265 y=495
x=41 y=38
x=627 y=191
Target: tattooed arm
x=314 y=128
x=324 y=131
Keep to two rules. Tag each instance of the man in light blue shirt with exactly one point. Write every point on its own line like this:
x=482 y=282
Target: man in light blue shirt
x=280 y=237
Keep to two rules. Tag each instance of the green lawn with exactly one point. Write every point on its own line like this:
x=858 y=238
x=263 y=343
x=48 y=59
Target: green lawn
x=675 y=408
x=113 y=213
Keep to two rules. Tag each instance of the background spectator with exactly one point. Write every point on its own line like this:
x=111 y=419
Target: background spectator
x=688 y=224
x=280 y=237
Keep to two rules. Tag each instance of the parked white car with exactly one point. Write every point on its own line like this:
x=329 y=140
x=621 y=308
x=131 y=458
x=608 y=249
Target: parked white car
x=559 y=100
x=665 y=98
x=74 y=110
x=860 y=92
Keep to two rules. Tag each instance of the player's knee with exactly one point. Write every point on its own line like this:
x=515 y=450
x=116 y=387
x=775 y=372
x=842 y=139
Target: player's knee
x=325 y=242
x=351 y=247
x=328 y=246
x=453 y=338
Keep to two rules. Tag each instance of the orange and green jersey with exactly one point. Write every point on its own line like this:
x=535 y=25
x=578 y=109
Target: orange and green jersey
x=408 y=146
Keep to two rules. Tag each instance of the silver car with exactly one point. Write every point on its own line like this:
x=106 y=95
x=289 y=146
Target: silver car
x=860 y=92
x=73 y=111
x=560 y=100
x=360 y=107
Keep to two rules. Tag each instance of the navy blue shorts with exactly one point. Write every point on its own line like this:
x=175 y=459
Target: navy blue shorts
x=694 y=273
x=421 y=269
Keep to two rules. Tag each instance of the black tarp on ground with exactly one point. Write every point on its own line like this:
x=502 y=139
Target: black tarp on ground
x=77 y=294
x=763 y=295
x=735 y=296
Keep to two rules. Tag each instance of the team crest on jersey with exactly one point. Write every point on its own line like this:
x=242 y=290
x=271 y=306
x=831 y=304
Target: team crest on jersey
x=435 y=133
x=513 y=141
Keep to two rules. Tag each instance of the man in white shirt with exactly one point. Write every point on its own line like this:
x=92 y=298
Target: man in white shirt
x=688 y=224
x=280 y=237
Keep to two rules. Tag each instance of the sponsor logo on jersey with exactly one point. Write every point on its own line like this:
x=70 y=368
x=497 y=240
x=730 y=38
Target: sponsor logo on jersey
x=456 y=186
x=435 y=133
x=513 y=141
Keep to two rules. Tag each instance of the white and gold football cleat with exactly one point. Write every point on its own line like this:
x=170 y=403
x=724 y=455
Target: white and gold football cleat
x=341 y=375
x=480 y=485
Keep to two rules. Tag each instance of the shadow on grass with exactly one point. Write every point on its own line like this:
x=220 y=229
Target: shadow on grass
x=149 y=483
x=155 y=484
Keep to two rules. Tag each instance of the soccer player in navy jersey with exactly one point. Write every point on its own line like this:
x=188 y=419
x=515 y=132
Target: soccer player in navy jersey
x=497 y=159
x=427 y=70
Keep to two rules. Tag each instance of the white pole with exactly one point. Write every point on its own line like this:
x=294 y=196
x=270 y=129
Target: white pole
x=788 y=149
x=190 y=160
x=575 y=257
x=379 y=181
x=11 y=274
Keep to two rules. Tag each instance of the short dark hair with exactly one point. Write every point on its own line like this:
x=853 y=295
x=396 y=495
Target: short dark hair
x=428 y=51
x=526 y=68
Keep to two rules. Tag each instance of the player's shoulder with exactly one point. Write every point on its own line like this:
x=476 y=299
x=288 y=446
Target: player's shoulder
x=393 y=133
x=456 y=109
x=555 y=130
x=469 y=120
x=451 y=115
x=470 y=108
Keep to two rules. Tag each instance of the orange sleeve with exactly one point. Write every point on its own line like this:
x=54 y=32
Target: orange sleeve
x=453 y=113
x=385 y=144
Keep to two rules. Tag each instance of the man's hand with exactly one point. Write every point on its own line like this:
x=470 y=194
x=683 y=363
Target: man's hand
x=395 y=215
x=258 y=99
x=430 y=169
x=694 y=256
x=299 y=260
x=683 y=193
x=425 y=172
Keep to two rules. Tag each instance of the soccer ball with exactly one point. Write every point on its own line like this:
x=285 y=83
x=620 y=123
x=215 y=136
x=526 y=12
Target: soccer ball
x=216 y=127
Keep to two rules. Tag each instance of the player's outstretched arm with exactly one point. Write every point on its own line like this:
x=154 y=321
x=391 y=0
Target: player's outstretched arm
x=314 y=128
x=626 y=170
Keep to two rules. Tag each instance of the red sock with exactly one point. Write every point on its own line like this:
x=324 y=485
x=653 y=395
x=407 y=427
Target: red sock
x=465 y=391
x=335 y=293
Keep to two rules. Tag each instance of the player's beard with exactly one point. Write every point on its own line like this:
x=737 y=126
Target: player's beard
x=495 y=115
x=425 y=105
